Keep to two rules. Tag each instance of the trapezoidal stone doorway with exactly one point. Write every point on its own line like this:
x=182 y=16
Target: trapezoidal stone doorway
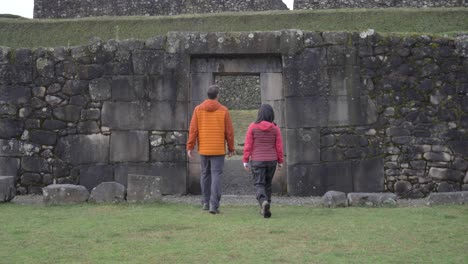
x=246 y=82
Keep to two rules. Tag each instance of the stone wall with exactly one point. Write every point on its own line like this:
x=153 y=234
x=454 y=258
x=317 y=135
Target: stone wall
x=399 y=111
x=333 y=4
x=359 y=112
x=240 y=92
x=75 y=9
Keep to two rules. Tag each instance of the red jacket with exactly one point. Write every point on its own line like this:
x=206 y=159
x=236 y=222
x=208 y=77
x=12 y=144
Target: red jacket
x=211 y=126
x=263 y=142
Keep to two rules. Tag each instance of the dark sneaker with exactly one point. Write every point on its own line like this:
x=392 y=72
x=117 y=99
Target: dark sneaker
x=266 y=209
x=213 y=210
x=205 y=206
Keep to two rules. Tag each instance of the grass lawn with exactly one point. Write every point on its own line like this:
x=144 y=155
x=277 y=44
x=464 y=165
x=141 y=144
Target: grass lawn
x=241 y=120
x=69 y=32
x=170 y=233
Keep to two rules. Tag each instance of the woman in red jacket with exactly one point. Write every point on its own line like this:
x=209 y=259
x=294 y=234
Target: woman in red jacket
x=264 y=150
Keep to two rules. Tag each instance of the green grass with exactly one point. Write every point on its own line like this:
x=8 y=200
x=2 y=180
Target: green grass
x=168 y=233
x=50 y=33
x=241 y=120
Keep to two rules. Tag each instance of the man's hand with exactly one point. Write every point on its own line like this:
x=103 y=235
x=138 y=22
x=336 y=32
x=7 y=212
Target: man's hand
x=230 y=154
x=189 y=154
x=280 y=166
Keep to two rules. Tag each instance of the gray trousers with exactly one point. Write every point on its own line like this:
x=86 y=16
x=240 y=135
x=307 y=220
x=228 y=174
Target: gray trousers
x=263 y=172
x=211 y=179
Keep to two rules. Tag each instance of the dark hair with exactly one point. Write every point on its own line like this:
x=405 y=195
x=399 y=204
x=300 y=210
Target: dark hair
x=265 y=113
x=213 y=91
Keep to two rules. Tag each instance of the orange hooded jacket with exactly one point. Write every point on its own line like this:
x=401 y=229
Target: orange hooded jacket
x=211 y=125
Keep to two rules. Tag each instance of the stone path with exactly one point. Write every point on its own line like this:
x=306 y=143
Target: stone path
x=230 y=200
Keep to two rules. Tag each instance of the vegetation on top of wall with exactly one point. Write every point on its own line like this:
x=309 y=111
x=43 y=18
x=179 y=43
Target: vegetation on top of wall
x=49 y=33
x=11 y=16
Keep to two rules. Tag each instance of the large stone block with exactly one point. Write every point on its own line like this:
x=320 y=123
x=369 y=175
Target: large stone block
x=334 y=199
x=124 y=89
x=330 y=111
x=75 y=87
x=7 y=188
x=34 y=164
x=28 y=179
x=82 y=149
x=346 y=176
x=148 y=62
x=279 y=110
x=129 y=146
x=13 y=147
x=155 y=43
x=437 y=156
x=368 y=175
x=58 y=194
x=108 y=192
x=306 y=180
x=447 y=198
x=14 y=94
x=173 y=175
x=147 y=116
x=342 y=55
x=100 y=89
x=225 y=42
x=43 y=137
x=445 y=174
x=193 y=181
x=4 y=54
x=90 y=114
x=90 y=72
x=272 y=86
x=345 y=81
x=10 y=128
x=168 y=154
x=9 y=166
x=292 y=41
x=7 y=109
x=372 y=199
x=305 y=73
x=70 y=113
x=460 y=147
x=92 y=175
x=54 y=124
x=249 y=64
x=144 y=188
x=165 y=87
x=303 y=146
x=199 y=83
x=88 y=127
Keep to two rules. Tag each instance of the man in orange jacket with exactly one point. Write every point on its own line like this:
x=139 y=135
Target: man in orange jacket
x=211 y=127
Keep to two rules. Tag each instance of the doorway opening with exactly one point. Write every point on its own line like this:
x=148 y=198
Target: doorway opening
x=246 y=82
x=241 y=94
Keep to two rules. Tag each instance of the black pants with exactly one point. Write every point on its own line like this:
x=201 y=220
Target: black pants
x=263 y=172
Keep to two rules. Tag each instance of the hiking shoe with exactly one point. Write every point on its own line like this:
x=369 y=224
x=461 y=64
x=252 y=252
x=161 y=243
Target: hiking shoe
x=266 y=209
x=213 y=210
x=205 y=206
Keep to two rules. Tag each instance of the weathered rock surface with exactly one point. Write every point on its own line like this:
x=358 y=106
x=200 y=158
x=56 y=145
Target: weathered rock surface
x=143 y=188
x=108 y=192
x=334 y=199
x=7 y=188
x=372 y=199
x=57 y=194
x=448 y=198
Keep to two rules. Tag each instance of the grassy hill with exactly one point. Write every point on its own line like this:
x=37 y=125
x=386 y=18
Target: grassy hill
x=49 y=33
